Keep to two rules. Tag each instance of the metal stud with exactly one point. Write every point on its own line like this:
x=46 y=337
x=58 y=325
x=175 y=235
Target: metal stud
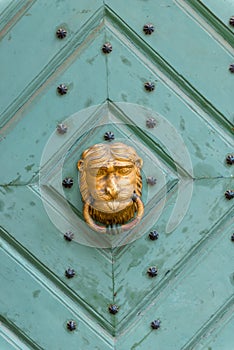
x=231 y=68
x=152 y=271
x=61 y=128
x=62 y=89
x=70 y=273
x=68 y=236
x=151 y=180
x=232 y=237
x=229 y=194
x=149 y=86
x=67 y=182
x=150 y=123
x=109 y=136
x=231 y=21
x=113 y=309
x=148 y=28
x=153 y=235
x=71 y=325
x=61 y=33
x=107 y=48
x=155 y=324
x=230 y=159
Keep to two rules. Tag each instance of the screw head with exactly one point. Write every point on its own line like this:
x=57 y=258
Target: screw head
x=109 y=136
x=155 y=324
x=232 y=237
x=68 y=236
x=231 y=21
x=150 y=123
x=229 y=194
x=153 y=235
x=148 y=28
x=107 y=48
x=151 y=180
x=67 y=182
x=113 y=309
x=62 y=89
x=61 y=128
x=149 y=86
x=61 y=33
x=70 y=273
x=230 y=159
x=152 y=271
x=71 y=325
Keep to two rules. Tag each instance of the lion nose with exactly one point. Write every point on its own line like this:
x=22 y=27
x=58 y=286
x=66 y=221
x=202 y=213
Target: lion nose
x=111 y=187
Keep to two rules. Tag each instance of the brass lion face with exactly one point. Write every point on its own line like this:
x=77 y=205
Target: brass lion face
x=110 y=185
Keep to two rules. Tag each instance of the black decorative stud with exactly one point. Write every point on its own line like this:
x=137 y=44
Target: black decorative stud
x=61 y=33
x=113 y=309
x=71 y=325
x=152 y=271
x=109 y=136
x=151 y=180
x=230 y=159
x=68 y=236
x=149 y=86
x=107 y=48
x=62 y=89
x=155 y=324
x=70 y=273
x=67 y=182
x=229 y=194
x=148 y=28
x=231 y=21
x=153 y=235
x=150 y=123
x=232 y=237
x=231 y=68
x=61 y=128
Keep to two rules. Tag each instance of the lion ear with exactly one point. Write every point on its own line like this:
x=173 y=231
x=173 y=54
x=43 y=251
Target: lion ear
x=139 y=163
x=80 y=165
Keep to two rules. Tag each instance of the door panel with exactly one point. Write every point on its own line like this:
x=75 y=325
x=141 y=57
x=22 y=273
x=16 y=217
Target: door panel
x=187 y=58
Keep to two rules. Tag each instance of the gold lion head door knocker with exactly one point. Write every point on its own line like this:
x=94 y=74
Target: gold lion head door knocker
x=110 y=185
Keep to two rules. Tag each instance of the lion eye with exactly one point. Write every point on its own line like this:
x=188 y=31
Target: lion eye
x=124 y=171
x=101 y=172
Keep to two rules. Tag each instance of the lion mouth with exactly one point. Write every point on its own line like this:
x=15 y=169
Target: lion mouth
x=113 y=205
x=115 y=216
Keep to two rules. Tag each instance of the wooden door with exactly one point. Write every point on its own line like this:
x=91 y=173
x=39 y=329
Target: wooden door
x=159 y=76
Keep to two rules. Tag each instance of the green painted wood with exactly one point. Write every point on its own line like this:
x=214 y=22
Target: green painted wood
x=188 y=302
x=187 y=57
x=223 y=9
x=46 y=52
x=38 y=298
x=172 y=253
x=184 y=44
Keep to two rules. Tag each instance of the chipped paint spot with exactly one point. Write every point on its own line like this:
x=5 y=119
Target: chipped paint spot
x=29 y=167
x=125 y=61
x=198 y=152
x=92 y=59
x=2 y=205
x=124 y=97
x=182 y=123
x=88 y=102
x=36 y=293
